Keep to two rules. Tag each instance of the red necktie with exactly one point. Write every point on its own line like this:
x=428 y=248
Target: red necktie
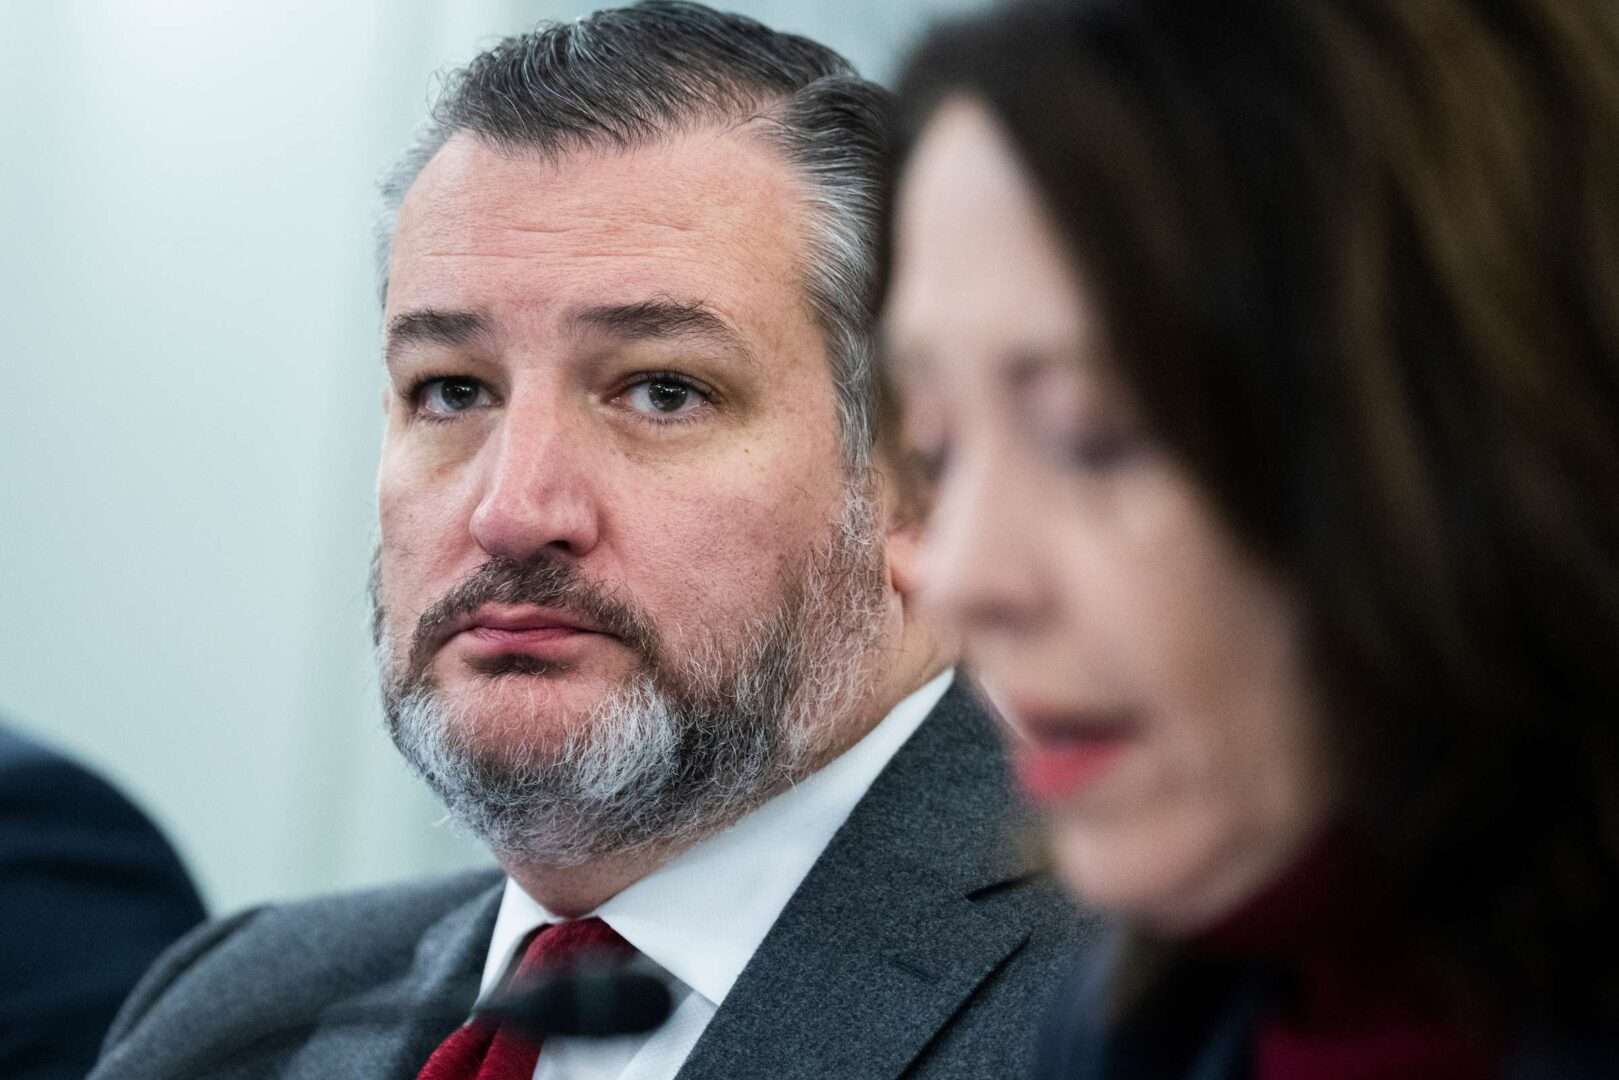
x=481 y=1050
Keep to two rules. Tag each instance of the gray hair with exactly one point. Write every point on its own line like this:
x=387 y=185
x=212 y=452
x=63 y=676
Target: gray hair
x=683 y=747
x=625 y=77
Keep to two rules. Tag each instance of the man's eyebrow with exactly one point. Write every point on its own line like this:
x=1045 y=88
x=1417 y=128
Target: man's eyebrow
x=431 y=326
x=649 y=320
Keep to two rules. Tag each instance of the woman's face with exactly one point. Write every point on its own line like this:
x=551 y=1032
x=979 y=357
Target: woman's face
x=1149 y=666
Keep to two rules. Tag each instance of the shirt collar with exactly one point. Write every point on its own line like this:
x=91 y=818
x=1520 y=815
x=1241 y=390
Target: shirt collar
x=702 y=915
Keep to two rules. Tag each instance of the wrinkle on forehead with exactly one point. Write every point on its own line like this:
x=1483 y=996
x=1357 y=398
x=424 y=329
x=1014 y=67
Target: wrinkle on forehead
x=499 y=218
x=594 y=252
x=473 y=200
x=714 y=217
x=557 y=231
x=665 y=176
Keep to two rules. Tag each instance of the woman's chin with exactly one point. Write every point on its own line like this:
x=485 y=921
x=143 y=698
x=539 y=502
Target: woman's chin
x=1174 y=879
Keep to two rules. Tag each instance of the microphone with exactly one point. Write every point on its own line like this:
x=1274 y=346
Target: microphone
x=585 y=1003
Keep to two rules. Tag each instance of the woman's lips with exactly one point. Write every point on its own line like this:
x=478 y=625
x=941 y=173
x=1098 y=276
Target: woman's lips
x=1062 y=754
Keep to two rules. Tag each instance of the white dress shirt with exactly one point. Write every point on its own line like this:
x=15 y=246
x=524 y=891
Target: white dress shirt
x=700 y=916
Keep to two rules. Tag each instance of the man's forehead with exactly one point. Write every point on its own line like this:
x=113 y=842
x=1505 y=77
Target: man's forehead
x=699 y=234
x=691 y=189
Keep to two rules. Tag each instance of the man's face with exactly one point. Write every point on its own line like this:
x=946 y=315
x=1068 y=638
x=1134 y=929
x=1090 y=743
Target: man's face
x=612 y=464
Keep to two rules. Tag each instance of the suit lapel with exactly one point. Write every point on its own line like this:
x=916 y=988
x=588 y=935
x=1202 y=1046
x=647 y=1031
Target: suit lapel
x=882 y=943
x=431 y=998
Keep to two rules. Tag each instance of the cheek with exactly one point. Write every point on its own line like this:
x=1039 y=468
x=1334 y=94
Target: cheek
x=1234 y=681
x=1198 y=637
x=424 y=540
x=1181 y=614
x=707 y=547
x=1219 y=707
x=1237 y=764
x=724 y=549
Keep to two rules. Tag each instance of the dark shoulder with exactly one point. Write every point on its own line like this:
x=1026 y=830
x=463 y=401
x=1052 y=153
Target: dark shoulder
x=17 y=750
x=38 y=784
x=60 y=819
x=76 y=855
x=1135 y=1009
x=23 y=758
x=1067 y=1045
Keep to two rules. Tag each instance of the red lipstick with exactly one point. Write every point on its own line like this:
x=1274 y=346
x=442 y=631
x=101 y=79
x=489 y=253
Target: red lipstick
x=1066 y=751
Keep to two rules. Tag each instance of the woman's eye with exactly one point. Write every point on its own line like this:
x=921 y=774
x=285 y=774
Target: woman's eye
x=932 y=459
x=925 y=438
x=1102 y=450
x=449 y=396
x=664 y=396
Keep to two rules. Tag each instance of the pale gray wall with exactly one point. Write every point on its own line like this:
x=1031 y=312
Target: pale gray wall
x=189 y=382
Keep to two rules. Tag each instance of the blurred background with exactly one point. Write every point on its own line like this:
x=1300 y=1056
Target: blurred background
x=190 y=329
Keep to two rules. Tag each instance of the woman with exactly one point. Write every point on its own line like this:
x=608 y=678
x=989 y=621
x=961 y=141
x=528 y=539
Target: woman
x=1265 y=359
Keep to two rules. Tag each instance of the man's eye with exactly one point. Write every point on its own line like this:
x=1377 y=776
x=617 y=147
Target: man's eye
x=664 y=396
x=449 y=396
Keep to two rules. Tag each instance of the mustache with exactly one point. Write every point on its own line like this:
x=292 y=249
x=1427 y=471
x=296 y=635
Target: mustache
x=544 y=580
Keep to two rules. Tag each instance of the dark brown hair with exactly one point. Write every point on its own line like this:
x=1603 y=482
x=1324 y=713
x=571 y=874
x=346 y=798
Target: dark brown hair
x=1359 y=264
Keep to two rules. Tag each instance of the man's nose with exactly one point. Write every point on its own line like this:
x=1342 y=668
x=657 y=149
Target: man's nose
x=537 y=490
x=978 y=563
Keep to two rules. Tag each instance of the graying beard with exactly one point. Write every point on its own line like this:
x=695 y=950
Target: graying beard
x=654 y=764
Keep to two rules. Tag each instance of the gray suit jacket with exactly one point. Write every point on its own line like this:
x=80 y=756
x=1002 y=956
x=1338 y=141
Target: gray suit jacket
x=922 y=944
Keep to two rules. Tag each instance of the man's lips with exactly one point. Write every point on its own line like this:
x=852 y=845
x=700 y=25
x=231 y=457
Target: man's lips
x=535 y=631
x=496 y=635
x=1065 y=750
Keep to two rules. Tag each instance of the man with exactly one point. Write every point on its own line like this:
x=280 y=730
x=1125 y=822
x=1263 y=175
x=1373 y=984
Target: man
x=644 y=612
x=90 y=894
